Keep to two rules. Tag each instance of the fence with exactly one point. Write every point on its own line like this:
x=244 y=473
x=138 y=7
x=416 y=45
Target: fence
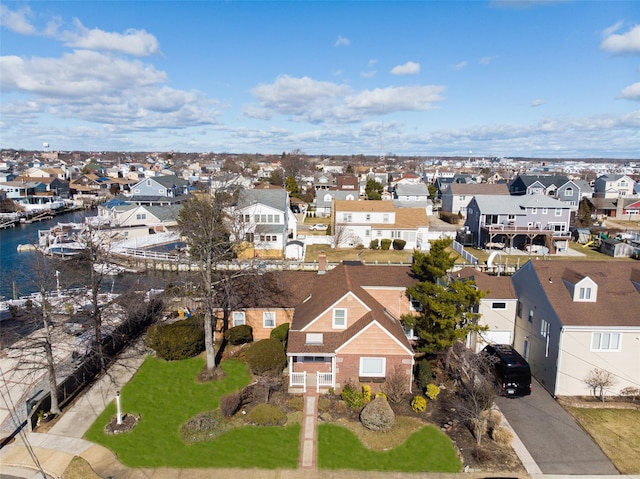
x=458 y=248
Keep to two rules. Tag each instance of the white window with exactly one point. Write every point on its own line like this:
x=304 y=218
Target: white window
x=531 y=315
x=148 y=182
x=414 y=304
x=269 y=319
x=544 y=328
x=568 y=192
x=347 y=217
x=584 y=294
x=605 y=341
x=373 y=367
x=396 y=234
x=545 y=211
x=238 y=318
x=558 y=211
x=141 y=216
x=340 y=318
x=368 y=217
x=500 y=305
x=385 y=218
x=534 y=211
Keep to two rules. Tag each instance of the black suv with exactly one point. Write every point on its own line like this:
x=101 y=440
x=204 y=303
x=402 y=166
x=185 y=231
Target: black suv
x=511 y=369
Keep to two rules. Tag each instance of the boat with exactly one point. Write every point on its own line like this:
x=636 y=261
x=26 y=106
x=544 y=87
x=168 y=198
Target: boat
x=63 y=240
x=108 y=269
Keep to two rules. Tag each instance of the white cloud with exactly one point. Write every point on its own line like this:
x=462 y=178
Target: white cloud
x=628 y=42
x=538 y=102
x=131 y=42
x=342 y=41
x=392 y=99
x=485 y=60
x=460 y=65
x=368 y=74
x=632 y=92
x=305 y=99
x=372 y=62
x=17 y=20
x=409 y=68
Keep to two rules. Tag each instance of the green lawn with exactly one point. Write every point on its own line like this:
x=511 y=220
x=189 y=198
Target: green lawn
x=166 y=394
x=425 y=450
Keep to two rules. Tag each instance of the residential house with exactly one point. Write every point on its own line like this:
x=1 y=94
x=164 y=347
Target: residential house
x=324 y=200
x=160 y=191
x=347 y=330
x=264 y=304
x=519 y=221
x=632 y=210
x=456 y=196
x=442 y=181
x=497 y=309
x=537 y=184
x=412 y=195
x=613 y=186
x=52 y=185
x=89 y=184
x=356 y=223
x=264 y=219
x=573 y=191
x=576 y=316
x=42 y=172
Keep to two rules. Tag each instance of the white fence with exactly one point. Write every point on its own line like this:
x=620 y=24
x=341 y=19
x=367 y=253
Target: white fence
x=298 y=380
x=458 y=248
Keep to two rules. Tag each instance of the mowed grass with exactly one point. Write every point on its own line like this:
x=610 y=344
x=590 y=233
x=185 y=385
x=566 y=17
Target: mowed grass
x=427 y=449
x=617 y=432
x=336 y=255
x=165 y=395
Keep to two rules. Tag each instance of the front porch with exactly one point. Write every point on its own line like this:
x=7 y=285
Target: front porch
x=311 y=373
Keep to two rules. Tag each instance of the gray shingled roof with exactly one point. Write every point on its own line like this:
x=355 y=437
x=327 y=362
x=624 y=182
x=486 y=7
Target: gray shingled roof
x=276 y=199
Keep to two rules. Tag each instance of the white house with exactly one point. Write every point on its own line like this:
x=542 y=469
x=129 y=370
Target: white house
x=356 y=223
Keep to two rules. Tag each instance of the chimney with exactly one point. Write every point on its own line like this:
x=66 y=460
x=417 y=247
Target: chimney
x=322 y=263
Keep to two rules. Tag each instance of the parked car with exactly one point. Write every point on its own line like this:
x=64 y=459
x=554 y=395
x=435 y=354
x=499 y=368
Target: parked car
x=511 y=369
x=318 y=227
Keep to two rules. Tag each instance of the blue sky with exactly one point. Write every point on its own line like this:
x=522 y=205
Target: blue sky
x=496 y=78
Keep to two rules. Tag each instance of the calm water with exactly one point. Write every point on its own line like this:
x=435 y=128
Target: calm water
x=16 y=268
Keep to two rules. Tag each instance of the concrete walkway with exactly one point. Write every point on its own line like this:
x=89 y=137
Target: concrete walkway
x=308 y=440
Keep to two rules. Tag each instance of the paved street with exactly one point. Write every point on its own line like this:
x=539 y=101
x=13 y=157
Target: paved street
x=555 y=441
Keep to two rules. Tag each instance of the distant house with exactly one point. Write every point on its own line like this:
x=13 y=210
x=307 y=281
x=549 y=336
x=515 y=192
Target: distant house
x=50 y=184
x=159 y=191
x=613 y=186
x=356 y=223
x=348 y=330
x=412 y=195
x=537 y=184
x=456 y=196
x=573 y=191
x=264 y=219
x=576 y=316
x=517 y=221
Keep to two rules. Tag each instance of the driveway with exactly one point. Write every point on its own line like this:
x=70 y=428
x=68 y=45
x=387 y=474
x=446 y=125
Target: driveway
x=552 y=437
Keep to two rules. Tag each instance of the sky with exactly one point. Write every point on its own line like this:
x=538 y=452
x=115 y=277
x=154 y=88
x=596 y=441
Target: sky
x=507 y=78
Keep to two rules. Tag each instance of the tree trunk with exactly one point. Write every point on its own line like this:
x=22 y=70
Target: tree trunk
x=209 y=340
x=49 y=361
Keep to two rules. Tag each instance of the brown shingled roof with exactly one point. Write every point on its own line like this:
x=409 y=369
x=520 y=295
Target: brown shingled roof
x=495 y=287
x=330 y=287
x=618 y=298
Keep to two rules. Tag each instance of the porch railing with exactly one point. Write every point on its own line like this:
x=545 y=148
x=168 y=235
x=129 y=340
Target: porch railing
x=324 y=380
x=298 y=380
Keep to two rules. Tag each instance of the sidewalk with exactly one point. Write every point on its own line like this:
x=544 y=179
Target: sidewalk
x=55 y=450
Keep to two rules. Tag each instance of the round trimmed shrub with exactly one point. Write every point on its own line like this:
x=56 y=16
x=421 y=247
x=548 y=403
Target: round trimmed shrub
x=266 y=356
x=385 y=243
x=432 y=391
x=180 y=340
x=280 y=333
x=267 y=415
x=399 y=244
x=240 y=334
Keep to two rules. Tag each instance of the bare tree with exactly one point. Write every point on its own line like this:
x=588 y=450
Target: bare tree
x=477 y=389
x=342 y=235
x=214 y=237
x=599 y=380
